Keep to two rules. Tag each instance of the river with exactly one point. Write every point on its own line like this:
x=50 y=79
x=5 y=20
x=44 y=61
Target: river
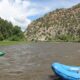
x=32 y=61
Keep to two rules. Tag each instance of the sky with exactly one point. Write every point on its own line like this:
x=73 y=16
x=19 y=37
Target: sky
x=23 y=12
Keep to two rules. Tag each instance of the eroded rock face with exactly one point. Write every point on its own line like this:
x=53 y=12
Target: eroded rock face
x=61 y=24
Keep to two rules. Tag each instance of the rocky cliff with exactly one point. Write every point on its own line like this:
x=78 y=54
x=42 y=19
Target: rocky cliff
x=61 y=24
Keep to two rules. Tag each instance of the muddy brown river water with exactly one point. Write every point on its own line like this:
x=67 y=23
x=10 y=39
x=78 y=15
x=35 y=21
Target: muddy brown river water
x=33 y=61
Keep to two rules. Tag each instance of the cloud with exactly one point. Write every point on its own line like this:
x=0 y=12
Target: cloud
x=15 y=11
x=22 y=12
x=18 y=11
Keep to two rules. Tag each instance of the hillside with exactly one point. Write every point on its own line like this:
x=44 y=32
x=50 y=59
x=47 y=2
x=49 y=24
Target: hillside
x=60 y=25
x=9 y=32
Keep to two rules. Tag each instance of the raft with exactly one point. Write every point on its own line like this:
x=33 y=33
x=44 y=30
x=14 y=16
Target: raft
x=66 y=72
x=2 y=53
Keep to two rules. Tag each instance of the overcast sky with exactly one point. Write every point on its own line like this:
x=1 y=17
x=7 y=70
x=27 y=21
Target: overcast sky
x=22 y=12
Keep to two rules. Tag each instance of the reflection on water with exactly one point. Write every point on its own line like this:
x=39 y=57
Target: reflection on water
x=33 y=61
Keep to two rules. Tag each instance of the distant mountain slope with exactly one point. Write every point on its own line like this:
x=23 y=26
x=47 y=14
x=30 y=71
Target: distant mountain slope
x=61 y=24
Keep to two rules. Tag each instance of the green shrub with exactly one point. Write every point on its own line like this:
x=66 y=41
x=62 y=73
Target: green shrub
x=14 y=38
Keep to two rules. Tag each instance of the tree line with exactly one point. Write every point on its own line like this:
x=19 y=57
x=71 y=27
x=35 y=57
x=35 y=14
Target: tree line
x=9 y=32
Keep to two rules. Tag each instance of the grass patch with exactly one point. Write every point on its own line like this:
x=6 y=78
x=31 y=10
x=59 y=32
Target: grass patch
x=5 y=43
